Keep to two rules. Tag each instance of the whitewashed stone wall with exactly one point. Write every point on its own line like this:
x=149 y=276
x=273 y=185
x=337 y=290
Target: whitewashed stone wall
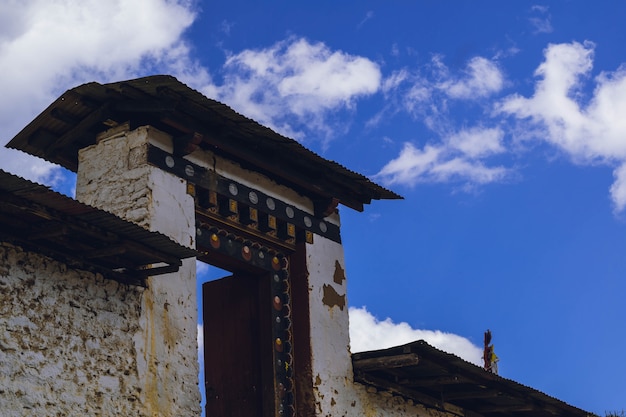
x=113 y=175
x=74 y=344
x=66 y=340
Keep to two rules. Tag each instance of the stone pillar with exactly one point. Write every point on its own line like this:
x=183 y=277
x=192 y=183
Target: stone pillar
x=114 y=175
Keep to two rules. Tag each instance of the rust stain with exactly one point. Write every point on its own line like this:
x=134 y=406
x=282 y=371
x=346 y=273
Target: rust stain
x=331 y=298
x=157 y=335
x=340 y=275
x=151 y=385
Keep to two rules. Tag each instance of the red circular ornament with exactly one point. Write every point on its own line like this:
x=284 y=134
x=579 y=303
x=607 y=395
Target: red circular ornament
x=246 y=253
x=278 y=344
x=278 y=304
x=275 y=263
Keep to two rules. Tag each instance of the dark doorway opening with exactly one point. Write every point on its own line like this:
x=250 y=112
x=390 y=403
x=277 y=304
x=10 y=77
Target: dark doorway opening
x=238 y=346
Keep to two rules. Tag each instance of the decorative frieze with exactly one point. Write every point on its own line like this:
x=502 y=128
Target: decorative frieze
x=237 y=206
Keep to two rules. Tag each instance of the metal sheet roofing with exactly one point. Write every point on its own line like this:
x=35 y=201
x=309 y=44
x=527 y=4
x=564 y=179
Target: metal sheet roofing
x=445 y=382
x=72 y=121
x=37 y=218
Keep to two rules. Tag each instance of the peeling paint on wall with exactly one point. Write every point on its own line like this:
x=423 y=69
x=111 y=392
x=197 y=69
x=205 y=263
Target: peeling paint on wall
x=331 y=298
x=340 y=275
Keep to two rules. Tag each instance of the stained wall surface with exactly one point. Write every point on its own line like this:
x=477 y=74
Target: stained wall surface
x=73 y=343
x=66 y=340
x=114 y=175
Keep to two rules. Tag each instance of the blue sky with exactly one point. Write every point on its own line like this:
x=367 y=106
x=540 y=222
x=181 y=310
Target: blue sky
x=501 y=123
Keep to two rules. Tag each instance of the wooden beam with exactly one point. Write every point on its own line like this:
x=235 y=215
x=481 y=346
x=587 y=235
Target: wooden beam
x=325 y=207
x=86 y=124
x=386 y=362
x=186 y=144
x=131 y=106
x=508 y=408
x=40 y=139
x=127 y=90
x=106 y=252
x=150 y=252
x=148 y=272
x=64 y=116
x=472 y=394
x=434 y=381
x=214 y=219
x=48 y=232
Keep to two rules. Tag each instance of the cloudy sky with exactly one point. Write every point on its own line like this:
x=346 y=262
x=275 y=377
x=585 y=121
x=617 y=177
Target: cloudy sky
x=501 y=123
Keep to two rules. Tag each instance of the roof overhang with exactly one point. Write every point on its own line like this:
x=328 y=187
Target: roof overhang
x=38 y=219
x=445 y=382
x=73 y=120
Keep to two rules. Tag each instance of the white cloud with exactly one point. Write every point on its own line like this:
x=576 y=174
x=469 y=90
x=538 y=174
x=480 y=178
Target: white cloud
x=394 y=80
x=618 y=189
x=481 y=79
x=470 y=172
x=200 y=337
x=428 y=95
x=369 y=15
x=458 y=158
x=202 y=268
x=372 y=217
x=226 y=27
x=201 y=381
x=478 y=142
x=541 y=25
x=541 y=20
x=410 y=165
x=369 y=333
x=395 y=51
x=429 y=90
x=592 y=132
x=47 y=46
x=296 y=82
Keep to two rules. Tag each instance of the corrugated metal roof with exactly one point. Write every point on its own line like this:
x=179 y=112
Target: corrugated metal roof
x=38 y=218
x=446 y=382
x=74 y=119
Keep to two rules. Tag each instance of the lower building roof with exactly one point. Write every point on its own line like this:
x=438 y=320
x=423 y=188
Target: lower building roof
x=445 y=382
x=39 y=219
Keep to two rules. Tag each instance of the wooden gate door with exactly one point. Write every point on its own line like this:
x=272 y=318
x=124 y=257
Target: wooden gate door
x=237 y=347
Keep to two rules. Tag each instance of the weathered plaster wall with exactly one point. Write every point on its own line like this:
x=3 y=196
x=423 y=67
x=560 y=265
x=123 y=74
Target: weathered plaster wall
x=114 y=175
x=66 y=345
x=336 y=394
